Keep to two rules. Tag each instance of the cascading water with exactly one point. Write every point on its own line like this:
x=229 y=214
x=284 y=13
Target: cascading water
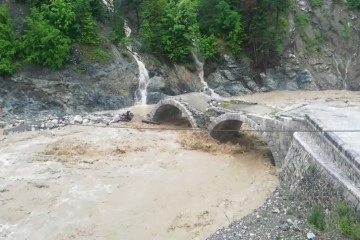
x=200 y=69
x=141 y=92
x=337 y=64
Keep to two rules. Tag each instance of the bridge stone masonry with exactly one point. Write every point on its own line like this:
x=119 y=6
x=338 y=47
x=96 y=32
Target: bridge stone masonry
x=316 y=149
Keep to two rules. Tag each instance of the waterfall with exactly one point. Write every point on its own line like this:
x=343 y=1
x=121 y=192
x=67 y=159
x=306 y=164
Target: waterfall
x=344 y=78
x=141 y=92
x=200 y=69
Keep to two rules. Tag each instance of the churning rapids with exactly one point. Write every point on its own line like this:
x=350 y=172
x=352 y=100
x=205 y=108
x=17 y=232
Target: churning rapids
x=114 y=183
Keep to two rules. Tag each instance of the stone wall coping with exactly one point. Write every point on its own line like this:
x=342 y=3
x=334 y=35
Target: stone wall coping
x=337 y=142
x=347 y=184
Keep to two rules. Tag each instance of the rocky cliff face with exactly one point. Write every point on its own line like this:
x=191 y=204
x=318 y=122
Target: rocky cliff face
x=322 y=54
x=35 y=92
x=82 y=87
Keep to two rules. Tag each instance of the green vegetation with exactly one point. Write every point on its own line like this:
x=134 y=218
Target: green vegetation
x=316 y=217
x=173 y=29
x=343 y=219
x=101 y=54
x=267 y=29
x=225 y=103
x=345 y=30
x=312 y=44
x=316 y=3
x=170 y=29
x=301 y=21
x=222 y=22
x=43 y=43
x=8 y=44
x=274 y=111
x=312 y=167
x=353 y=4
x=117 y=24
x=48 y=32
x=346 y=222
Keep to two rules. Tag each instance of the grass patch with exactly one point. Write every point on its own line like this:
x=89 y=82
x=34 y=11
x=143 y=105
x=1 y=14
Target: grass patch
x=343 y=220
x=313 y=45
x=312 y=167
x=274 y=111
x=345 y=30
x=301 y=21
x=346 y=221
x=91 y=54
x=102 y=55
x=316 y=217
x=225 y=103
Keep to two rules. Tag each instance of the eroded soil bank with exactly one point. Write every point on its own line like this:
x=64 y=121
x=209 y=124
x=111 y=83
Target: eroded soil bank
x=112 y=183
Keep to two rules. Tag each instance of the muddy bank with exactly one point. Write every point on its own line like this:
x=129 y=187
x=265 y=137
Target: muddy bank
x=111 y=183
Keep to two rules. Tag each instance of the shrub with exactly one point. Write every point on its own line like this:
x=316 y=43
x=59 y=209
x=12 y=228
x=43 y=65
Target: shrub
x=346 y=221
x=316 y=3
x=60 y=14
x=316 y=217
x=208 y=46
x=44 y=44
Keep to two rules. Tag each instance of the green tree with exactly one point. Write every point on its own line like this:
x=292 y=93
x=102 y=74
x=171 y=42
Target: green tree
x=222 y=21
x=60 y=14
x=44 y=44
x=228 y=23
x=208 y=46
x=152 y=29
x=7 y=42
x=267 y=30
x=353 y=4
x=181 y=30
x=84 y=28
x=117 y=22
x=98 y=10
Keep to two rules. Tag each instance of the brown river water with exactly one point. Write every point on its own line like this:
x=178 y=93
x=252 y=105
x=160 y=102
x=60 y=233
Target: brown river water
x=112 y=183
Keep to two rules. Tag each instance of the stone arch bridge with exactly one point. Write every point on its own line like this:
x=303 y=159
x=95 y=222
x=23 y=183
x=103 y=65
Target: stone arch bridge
x=221 y=122
x=300 y=138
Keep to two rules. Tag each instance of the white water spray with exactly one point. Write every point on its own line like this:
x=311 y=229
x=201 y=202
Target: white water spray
x=200 y=68
x=141 y=92
x=344 y=78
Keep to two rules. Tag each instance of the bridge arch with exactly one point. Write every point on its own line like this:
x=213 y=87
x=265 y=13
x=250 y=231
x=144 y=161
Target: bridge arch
x=231 y=122
x=172 y=109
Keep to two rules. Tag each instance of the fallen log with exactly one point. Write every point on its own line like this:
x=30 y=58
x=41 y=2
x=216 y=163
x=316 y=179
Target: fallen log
x=150 y=122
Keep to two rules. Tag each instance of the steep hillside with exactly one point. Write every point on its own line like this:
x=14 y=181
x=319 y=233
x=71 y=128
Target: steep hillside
x=322 y=51
x=246 y=46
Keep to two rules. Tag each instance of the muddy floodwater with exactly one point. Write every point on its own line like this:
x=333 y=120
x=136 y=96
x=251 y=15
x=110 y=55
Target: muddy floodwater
x=112 y=183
